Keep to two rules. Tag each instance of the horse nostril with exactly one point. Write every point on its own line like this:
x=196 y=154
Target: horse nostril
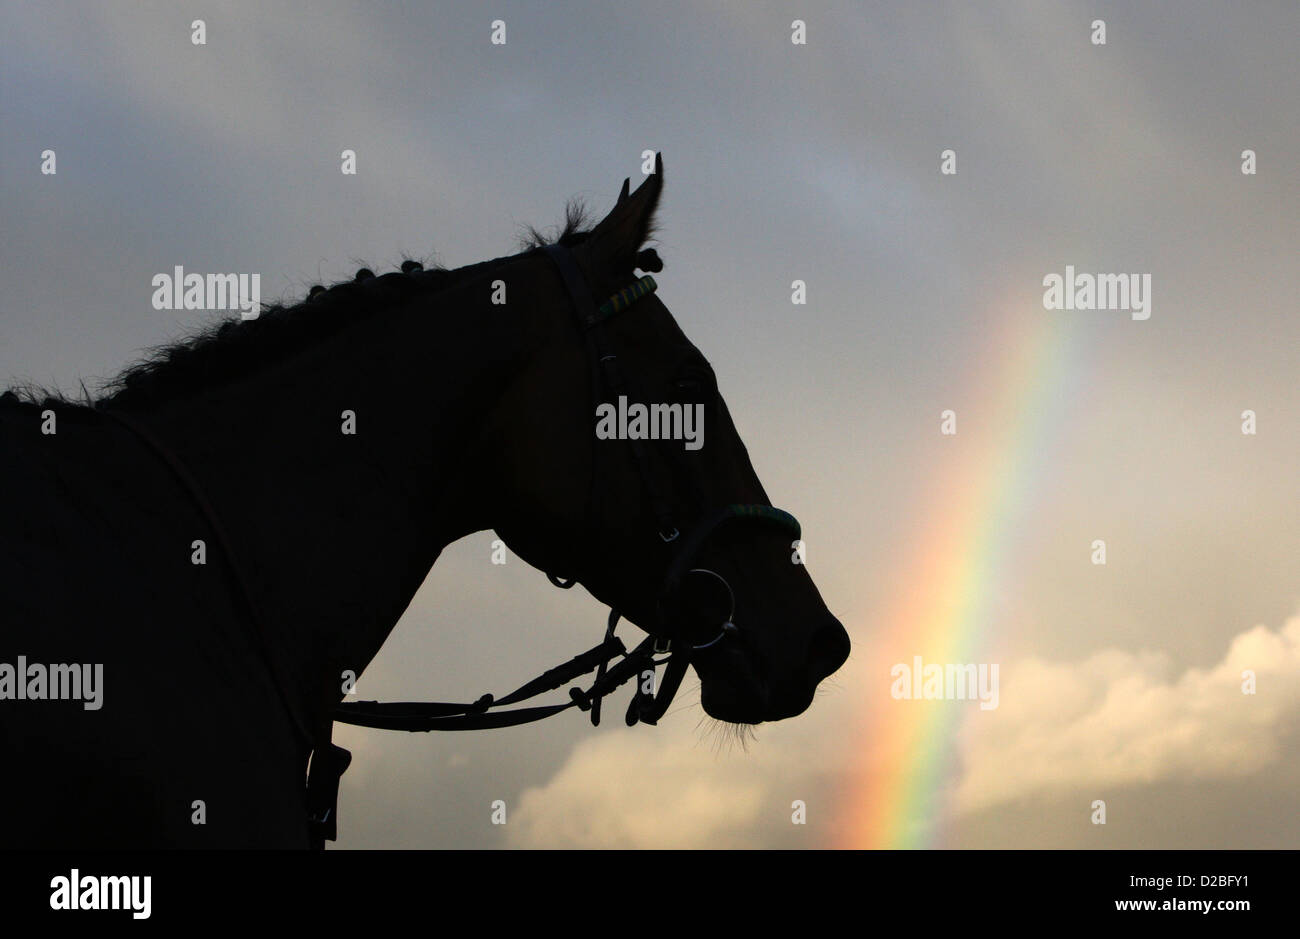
x=828 y=650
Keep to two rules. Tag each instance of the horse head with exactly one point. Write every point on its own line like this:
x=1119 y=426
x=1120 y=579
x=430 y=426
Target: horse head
x=622 y=469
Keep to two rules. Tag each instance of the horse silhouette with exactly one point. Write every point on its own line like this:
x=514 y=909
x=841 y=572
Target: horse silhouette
x=241 y=520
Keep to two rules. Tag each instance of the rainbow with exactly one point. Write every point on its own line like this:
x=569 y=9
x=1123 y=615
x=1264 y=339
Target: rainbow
x=952 y=578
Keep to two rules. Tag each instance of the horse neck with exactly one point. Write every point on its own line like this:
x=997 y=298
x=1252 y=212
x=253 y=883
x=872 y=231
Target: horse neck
x=336 y=530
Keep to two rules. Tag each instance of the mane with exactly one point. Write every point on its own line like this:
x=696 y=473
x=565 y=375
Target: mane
x=232 y=349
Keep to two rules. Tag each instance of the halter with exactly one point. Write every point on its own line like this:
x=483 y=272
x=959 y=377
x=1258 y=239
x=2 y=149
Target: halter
x=329 y=761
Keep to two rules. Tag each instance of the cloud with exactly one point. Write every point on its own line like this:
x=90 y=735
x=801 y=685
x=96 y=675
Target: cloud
x=687 y=783
x=629 y=790
x=1117 y=719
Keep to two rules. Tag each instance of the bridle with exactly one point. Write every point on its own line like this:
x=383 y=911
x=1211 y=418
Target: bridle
x=669 y=647
x=613 y=664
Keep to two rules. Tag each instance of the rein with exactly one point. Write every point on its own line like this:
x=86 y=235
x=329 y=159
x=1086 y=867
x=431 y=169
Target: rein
x=674 y=651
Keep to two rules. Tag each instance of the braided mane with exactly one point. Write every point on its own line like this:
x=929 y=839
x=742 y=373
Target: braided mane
x=233 y=348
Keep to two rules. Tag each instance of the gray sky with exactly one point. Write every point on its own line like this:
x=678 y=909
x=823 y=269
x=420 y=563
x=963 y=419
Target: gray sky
x=818 y=162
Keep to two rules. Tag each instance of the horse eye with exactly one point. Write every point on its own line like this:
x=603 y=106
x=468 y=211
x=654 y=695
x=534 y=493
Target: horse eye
x=693 y=388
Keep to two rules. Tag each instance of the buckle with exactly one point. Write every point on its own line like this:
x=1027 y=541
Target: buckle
x=669 y=536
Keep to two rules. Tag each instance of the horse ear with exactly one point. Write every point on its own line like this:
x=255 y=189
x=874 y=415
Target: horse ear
x=626 y=183
x=614 y=243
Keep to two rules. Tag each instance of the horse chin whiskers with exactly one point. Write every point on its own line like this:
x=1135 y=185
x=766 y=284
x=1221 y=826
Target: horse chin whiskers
x=726 y=736
x=722 y=736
